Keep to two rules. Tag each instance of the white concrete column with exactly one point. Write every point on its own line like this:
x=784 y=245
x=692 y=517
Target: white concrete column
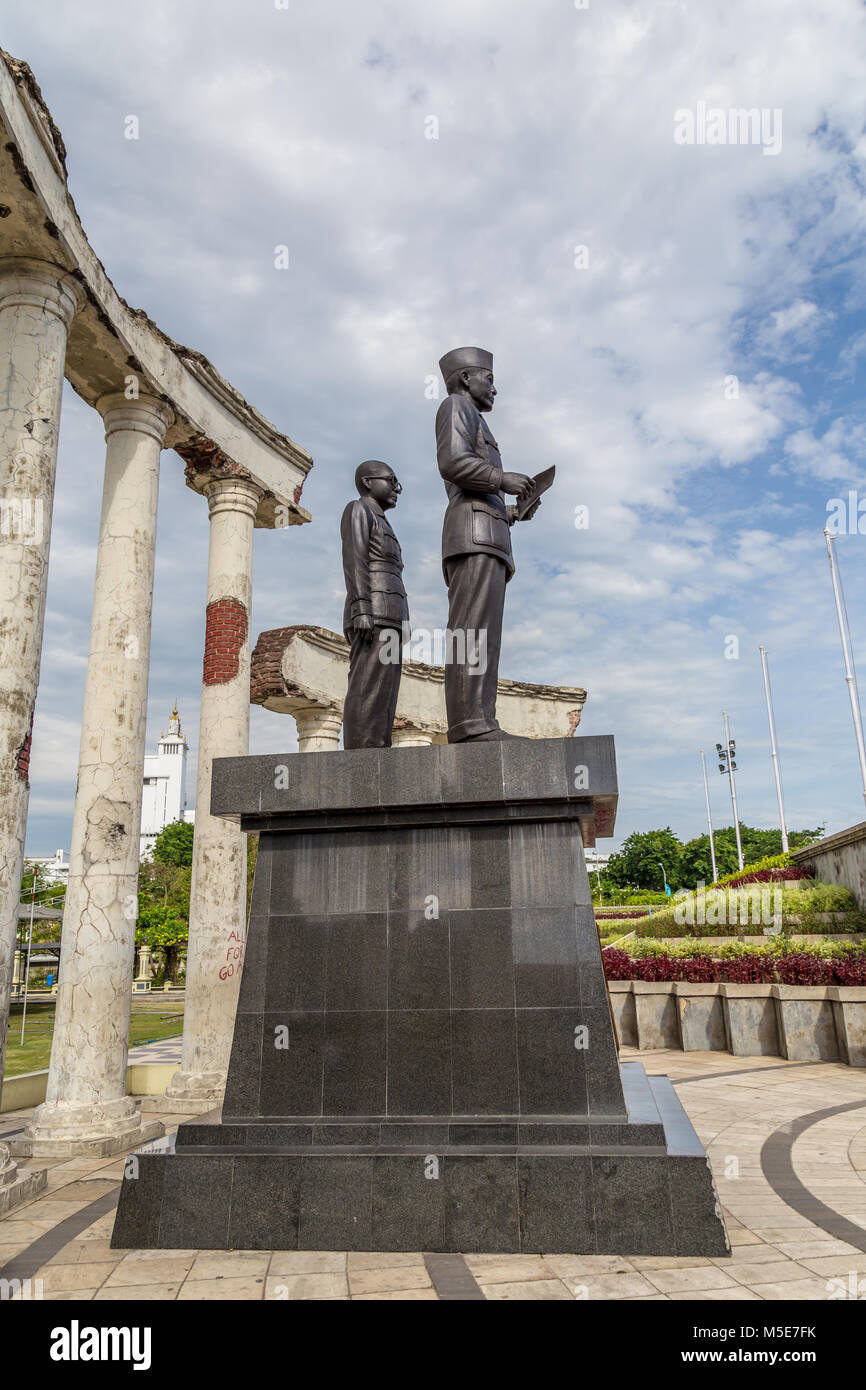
x=217 y=915
x=37 y=304
x=318 y=728
x=86 y=1102
x=410 y=736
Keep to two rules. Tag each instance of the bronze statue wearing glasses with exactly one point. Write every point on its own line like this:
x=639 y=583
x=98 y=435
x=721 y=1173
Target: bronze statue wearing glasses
x=376 y=614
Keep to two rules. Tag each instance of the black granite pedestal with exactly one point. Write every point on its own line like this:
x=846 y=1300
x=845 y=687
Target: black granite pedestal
x=423 y=1056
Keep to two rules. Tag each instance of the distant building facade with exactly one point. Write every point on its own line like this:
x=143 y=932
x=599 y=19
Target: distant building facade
x=164 y=793
x=51 y=868
x=596 y=861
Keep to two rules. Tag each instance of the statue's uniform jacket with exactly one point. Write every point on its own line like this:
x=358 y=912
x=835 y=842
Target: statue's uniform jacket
x=476 y=520
x=476 y=561
x=373 y=569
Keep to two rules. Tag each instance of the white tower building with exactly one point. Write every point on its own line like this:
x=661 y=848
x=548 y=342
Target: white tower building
x=164 y=795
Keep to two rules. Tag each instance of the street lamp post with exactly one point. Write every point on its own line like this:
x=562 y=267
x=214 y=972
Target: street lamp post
x=727 y=764
x=709 y=817
x=29 y=948
x=773 y=754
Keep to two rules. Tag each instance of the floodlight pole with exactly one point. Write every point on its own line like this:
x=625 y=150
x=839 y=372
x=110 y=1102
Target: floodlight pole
x=730 y=762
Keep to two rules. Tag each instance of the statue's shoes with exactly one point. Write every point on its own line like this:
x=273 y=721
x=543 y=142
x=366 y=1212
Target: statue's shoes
x=490 y=736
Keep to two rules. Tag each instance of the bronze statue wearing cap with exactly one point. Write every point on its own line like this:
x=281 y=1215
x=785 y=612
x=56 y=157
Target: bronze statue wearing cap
x=476 y=541
x=376 y=613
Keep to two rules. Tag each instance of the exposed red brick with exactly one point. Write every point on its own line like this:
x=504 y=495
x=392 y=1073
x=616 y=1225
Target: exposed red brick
x=225 y=634
x=266 y=678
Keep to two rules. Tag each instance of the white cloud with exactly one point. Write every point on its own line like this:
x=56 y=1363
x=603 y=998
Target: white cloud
x=305 y=127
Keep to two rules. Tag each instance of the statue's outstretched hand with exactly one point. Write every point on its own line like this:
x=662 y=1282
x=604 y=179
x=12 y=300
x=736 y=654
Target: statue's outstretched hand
x=364 y=624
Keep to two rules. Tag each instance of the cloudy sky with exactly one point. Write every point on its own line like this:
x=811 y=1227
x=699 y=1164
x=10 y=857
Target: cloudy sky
x=695 y=371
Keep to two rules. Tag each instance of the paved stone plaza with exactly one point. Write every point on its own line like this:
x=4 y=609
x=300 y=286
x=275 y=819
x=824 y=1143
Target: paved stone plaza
x=787 y=1142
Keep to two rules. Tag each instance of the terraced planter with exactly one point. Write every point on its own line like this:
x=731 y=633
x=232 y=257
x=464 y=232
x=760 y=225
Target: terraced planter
x=808 y=1023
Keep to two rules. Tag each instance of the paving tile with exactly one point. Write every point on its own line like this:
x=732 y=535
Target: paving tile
x=230 y=1264
x=803 y=1232
x=646 y=1262
x=23 y=1233
x=223 y=1289
x=383 y=1280
x=86 y=1190
x=379 y=1259
x=285 y=1262
x=815 y=1249
x=508 y=1269
x=528 y=1289
x=85 y=1251
x=430 y=1295
x=836 y=1265
x=307 y=1286
x=52 y=1211
x=564 y=1266
x=595 y=1287
x=737 y=1295
x=62 y=1278
x=136 y=1293
x=776 y=1273
x=799 y=1289
x=132 y=1270
x=72 y=1296
x=739 y=1235
x=746 y=1255
x=678 y=1280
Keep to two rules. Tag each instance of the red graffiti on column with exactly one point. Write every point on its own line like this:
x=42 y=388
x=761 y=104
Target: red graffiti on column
x=234 y=957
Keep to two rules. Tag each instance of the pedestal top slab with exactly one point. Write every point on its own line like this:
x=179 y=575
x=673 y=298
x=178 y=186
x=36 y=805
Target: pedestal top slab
x=571 y=778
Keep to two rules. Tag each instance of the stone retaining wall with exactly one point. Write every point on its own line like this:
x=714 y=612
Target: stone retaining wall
x=840 y=858
x=804 y=1023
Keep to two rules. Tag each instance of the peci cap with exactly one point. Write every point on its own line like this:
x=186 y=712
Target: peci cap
x=458 y=358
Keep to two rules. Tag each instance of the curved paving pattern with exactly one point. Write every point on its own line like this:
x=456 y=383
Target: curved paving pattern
x=787 y=1142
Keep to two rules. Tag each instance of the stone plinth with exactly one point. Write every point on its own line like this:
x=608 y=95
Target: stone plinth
x=423 y=1054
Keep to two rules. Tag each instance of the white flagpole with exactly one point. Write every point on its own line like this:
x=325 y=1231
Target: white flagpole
x=709 y=817
x=773 y=754
x=844 y=635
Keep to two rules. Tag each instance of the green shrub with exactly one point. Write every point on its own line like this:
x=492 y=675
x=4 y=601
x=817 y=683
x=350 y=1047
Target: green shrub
x=771 y=861
x=819 y=897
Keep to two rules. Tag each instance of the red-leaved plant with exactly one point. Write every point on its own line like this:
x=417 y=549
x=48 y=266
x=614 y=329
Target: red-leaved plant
x=617 y=964
x=697 y=969
x=656 y=968
x=802 y=969
x=746 y=970
x=851 y=970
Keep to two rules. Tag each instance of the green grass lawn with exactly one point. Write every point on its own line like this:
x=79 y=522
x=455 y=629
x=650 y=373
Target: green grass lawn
x=151 y=1022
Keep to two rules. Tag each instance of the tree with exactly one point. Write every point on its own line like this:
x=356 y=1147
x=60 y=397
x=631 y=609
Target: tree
x=163 y=895
x=174 y=843
x=163 y=929
x=639 y=863
x=252 y=857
